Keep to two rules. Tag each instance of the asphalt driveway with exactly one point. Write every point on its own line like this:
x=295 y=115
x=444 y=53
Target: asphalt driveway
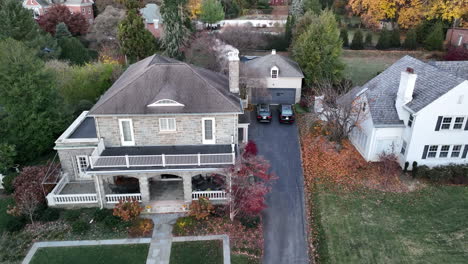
x=284 y=221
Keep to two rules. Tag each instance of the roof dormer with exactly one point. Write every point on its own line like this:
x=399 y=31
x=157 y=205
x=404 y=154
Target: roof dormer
x=166 y=102
x=274 y=72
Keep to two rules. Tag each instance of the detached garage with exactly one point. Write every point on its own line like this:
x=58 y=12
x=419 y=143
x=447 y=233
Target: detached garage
x=280 y=76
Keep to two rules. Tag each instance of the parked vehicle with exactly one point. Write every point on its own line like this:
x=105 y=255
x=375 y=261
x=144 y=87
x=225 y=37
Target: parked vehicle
x=286 y=114
x=263 y=113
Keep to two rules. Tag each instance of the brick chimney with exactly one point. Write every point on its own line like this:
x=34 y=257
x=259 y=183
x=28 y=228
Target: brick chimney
x=233 y=58
x=406 y=88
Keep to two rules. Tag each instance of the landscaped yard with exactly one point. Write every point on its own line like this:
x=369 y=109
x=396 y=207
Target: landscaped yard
x=4 y=217
x=197 y=252
x=427 y=226
x=115 y=254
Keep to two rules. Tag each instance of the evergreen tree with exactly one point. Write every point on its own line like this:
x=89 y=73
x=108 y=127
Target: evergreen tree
x=318 y=49
x=410 y=41
x=176 y=27
x=368 y=40
x=312 y=5
x=33 y=114
x=384 y=40
x=358 y=42
x=344 y=37
x=61 y=31
x=288 y=31
x=211 y=11
x=395 y=41
x=73 y=51
x=297 y=8
x=135 y=40
x=435 y=40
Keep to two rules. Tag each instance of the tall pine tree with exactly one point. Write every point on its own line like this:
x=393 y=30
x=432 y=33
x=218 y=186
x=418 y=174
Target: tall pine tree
x=211 y=11
x=176 y=27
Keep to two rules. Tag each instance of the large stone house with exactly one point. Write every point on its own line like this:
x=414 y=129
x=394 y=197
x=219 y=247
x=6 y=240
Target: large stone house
x=158 y=135
x=416 y=110
x=39 y=7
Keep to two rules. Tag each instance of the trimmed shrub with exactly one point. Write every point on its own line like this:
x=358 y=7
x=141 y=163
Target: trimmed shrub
x=395 y=41
x=357 y=43
x=49 y=214
x=127 y=210
x=456 y=54
x=101 y=214
x=410 y=41
x=141 y=227
x=80 y=227
x=384 y=40
x=112 y=221
x=202 y=208
x=250 y=222
x=15 y=224
x=344 y=37
x=435 y=40
x=8 y=182
x=368 y=40
x=71 y=215
x=406 y=166
x=455 y=174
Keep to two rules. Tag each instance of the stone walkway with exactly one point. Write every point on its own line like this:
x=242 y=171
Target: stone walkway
x=161 y=242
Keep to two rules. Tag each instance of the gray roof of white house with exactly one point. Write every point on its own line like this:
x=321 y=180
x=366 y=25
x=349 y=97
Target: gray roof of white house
x=457 y=68
x=431 y=83
x=286 y=66
x=151 y=12
x=155 y=78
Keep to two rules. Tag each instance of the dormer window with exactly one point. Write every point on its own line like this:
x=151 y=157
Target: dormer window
x=274 y=72
x=166 y=102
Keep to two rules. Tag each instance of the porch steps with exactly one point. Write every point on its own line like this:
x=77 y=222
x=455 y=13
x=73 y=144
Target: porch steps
x=165 y=207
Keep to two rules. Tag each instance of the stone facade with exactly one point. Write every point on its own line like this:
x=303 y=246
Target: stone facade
x=69 y=163
x=188 y=130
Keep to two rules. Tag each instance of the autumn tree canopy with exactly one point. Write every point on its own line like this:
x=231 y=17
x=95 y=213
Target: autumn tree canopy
x=408 y=13
x=75 y=22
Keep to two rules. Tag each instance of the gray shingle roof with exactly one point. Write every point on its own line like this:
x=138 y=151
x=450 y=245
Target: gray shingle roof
x=431 y=83
x=458 y=68
x=87 y=129
x=156 y=78
x=286 y=66
x=151 y=12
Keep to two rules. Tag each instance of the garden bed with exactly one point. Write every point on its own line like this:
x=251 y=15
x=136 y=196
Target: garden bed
x=115 y=254
x=193 y=252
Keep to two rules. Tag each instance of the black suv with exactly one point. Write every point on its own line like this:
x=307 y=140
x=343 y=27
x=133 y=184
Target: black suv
x=286 y=114
x=263 y=113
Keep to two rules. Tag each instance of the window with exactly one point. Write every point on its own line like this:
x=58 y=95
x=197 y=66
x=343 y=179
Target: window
x=460 y=39
x=403 y=148
x=458 y=123
x=446 y=122
x=126 y=132
x=456 y=151
x=444 y=150
x=208 y=130
x=432 y=151
x=274 y=72
x=82 y=162
x=167 y=124
x=410 y=120
x=89 y=11
x=364 y=107
x=83 y=10
x=166 y=102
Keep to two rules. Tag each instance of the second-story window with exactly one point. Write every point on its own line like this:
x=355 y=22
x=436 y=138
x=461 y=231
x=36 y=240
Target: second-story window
x=126 y=132
x=403 y=148
x=446 y=121
x=274 y=72
x=167 y=124
x=410 y=120
x=458 y=122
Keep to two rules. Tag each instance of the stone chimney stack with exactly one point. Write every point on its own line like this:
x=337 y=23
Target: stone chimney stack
x=233 y=58
x=406 y=89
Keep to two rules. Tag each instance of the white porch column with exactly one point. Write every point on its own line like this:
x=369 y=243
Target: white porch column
x=101 y=194
x=187 y=182
x=144 y=188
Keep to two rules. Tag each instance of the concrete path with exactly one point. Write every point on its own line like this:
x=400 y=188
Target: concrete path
x=161 y=242
x=284 y=220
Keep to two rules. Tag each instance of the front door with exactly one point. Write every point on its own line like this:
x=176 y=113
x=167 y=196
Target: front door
x=208 y=131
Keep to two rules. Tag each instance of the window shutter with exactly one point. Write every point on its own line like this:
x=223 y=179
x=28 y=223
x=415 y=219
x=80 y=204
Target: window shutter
x=439 y=121
x=426 y=148
x=465 y=151
x=466 y=125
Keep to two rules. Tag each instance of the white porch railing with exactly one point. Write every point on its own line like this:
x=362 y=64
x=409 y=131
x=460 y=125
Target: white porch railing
x=55 y=198
x=115 y=198
x=212 y=195
x=161 y=160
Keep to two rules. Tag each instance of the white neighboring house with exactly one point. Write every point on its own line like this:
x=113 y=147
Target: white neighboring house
x=416 y=110
x=281 y=76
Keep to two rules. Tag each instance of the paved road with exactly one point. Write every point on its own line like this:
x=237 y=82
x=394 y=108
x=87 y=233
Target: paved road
x=284 y=221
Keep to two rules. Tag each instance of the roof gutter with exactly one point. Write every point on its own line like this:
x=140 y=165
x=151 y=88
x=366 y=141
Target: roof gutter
x=146 y=171
x=164 y=114
x=389 y=125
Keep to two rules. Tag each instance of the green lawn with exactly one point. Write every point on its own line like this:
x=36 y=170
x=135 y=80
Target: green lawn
x=197 y=252
x=428 y=226
x=4 y=217
x=241 y=259
x=115 y=254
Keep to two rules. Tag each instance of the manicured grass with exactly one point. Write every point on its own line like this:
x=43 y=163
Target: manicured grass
x=241 y=259
x=4 y=217
x=115 y=254
x=197 y=252
x=427 y=226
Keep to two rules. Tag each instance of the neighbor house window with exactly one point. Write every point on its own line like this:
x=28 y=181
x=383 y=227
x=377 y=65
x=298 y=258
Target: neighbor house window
x=403 y=148
x=458 y=122
x=83 y=10
x=432 y=151
x=456 y=151
x=89 y=11
x=167 y=124
x=410 y=120
x=444 y=150
x=446 y=122
x=126 y=132
x=460 y=39
x=274 y=72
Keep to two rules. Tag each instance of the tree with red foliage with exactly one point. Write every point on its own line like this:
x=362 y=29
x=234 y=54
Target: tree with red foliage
x=456 y=54
x=250 y=148
x=28 y=193
x=76 y=23
x=248 y=182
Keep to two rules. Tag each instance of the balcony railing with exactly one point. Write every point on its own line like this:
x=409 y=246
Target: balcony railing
x=212 y=195
x=129 y=161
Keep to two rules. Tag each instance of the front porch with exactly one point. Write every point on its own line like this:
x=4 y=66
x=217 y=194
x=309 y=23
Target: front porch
x=157 y=193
